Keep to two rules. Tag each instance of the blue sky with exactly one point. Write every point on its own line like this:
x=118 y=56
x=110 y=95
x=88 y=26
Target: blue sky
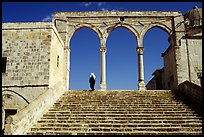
x=121 y=57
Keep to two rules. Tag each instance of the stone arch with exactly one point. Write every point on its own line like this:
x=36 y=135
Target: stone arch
x=85 y=25
x=16 y=94
x=14 y=99
x=156 y=24
x=124 y=25
x=95 y=35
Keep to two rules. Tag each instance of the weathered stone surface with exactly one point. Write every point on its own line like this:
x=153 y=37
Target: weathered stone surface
x=31 y=67
x=27 y=50
x=118 y=113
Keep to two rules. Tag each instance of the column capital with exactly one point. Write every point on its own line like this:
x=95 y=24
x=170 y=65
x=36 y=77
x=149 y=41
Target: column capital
x=102 y=49
x=140 y=50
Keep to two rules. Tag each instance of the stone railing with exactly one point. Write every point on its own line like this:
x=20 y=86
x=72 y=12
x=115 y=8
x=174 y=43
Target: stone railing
x=191 y=94
x=21 y=122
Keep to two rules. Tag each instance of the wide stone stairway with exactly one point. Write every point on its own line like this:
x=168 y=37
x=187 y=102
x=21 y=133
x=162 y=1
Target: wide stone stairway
x=148 y=112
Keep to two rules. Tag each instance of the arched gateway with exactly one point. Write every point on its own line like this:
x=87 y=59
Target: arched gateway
x=103 y=22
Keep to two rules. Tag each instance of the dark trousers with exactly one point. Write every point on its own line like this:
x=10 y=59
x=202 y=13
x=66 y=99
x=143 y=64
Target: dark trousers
x=92 y=86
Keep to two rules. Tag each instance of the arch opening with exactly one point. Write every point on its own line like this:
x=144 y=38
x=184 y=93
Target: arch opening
x=121 y=59
x=84 y=58
x=155 y=43
x=126 y=27
x=85 y=26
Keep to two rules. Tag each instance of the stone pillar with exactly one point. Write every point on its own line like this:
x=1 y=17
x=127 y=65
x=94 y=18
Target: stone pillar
x=103 y=68
x=141 y=84
x=66 y=67
x=3 y=117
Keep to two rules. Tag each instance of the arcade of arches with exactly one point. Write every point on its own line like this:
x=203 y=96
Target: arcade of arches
x=102 y=23
x=120 y=41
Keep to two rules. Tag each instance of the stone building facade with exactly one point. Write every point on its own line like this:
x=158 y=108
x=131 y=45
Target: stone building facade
x=190 y=52
x=36 y=55
x=32 y=56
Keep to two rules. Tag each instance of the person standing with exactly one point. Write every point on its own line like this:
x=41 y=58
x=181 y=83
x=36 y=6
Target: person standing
x=92 y=81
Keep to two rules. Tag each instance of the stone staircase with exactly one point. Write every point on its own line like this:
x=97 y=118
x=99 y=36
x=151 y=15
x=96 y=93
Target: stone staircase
x=149 y=112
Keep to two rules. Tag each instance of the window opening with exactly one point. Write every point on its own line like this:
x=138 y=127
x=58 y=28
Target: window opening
x=57 y=61
x=4 y=59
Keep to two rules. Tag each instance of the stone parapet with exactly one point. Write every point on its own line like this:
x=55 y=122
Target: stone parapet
x=191 y=94
x=18 y=124
x=117 y=13
x=26 y=25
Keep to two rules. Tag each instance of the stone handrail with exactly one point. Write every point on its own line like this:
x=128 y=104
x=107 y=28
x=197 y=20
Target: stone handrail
x=21 y=122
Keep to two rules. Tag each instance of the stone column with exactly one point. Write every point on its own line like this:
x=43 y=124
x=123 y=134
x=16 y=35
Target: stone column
x=141 y=84
x=103 y=68
x=67 y=67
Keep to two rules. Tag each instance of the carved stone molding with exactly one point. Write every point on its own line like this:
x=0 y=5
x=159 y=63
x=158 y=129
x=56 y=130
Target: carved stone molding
x=140 y=50
x=103 y=49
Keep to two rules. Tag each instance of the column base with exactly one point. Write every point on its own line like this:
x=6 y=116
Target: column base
x=103 y=87
x=141 y=85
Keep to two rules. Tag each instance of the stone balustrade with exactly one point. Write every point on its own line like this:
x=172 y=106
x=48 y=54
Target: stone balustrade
x=18 y=124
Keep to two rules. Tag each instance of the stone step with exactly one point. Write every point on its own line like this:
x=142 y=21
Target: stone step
x=109 y=129
x=134 y=101
x=163 y=103
x=109 y=92
x=151 y=113
x=146 y=106
x=112 y=100
x=105 y=97
x=139 y=98
x=122 y=109
x=87 y=121
x=117 y=115
x=118 y=95
x=115 y=133
x=79 y=104
x=119 y=105
x=118 y=125
x=179 y=119
x=148 y=92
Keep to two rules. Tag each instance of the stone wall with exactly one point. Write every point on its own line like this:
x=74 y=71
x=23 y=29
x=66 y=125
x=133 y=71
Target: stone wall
x=191 y=61
x=151 y=84
x=191 y=50
x=195 y=59
x=157 y=82
x=34 y=76
x=169 y=68
x=57 y=59
x=27 y=48
x=167 y=75
x=191 y=94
